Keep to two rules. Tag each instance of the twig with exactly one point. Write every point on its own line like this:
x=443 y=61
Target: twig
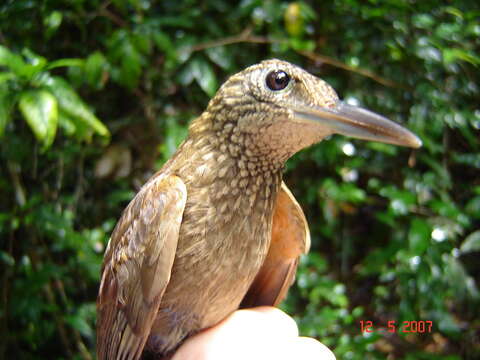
x=48 y=291
x=78 y=193
x=367 y=73
x=60 y=175
x=115 y=19
x=63 y=296
x=57 y=284
x=103 y=11
x=58 y=320
x=147 y=105
x=14 y=170
x=247 y=37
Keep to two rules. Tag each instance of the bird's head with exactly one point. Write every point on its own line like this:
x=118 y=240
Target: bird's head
x=275 y=109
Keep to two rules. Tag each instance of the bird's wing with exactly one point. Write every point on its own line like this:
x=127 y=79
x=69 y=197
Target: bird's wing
x=137 y=266
x=290 y=239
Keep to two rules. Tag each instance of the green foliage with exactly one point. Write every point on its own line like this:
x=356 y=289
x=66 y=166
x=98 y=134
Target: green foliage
x=40 y=110
x=394 y=232
x=44 y=100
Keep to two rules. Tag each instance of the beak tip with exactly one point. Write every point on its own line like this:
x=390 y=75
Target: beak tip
x=416 y=143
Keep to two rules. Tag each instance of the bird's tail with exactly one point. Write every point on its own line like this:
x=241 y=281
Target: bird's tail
x=119 y=342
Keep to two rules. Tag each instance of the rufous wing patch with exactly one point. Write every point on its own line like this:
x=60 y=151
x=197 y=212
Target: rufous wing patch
x=290 y=239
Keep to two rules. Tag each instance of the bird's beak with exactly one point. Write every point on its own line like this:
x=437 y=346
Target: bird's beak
x=359 y=123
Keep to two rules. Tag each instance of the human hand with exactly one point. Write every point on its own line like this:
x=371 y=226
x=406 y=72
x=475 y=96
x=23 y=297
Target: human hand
x=255 y=334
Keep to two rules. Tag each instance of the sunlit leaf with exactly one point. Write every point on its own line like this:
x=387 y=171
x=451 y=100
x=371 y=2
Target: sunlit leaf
x=471 y=243
x=14 y=62
x=66 y=123
x=39 y=108
x=185 y=76
x=451 y=55
x=204 y=75
x=221 y=56
x=80 y=324
x=73 y=106
x=458 y=278
x=52 y=22
x=424 y=21
x=294 y=21
x=5 y=56
x=65 y=63
x=37 y=61
x=6 y=258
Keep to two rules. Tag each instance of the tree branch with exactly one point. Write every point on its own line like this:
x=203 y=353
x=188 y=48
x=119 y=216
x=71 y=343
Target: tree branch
x=246 y=37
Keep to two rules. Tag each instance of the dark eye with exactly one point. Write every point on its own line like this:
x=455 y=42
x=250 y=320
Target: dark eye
x=277 y=80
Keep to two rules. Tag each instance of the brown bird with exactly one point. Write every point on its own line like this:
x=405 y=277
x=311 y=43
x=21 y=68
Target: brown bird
x=216 y=228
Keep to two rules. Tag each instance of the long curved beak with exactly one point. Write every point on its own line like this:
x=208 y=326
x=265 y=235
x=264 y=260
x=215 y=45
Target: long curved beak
x=359 y=123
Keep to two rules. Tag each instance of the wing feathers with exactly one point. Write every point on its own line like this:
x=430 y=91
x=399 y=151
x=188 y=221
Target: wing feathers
x=137 y=268
x=290 y=239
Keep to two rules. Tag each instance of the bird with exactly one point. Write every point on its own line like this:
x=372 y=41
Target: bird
x=216 y=228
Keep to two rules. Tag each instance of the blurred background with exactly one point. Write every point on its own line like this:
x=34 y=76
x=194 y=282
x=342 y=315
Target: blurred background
x=95 y=95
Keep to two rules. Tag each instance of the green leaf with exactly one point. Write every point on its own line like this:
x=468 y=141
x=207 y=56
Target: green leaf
x=451 y=55
x=5 y=76
x=419 y=236
x=73 y=106
x=14 y=62
x=52 y=21
x=95 y=66
x=342 y=192
x=38 y=62
x=164 y=43
x=131 y=65
x=221 y=56
x=471 y=243
x=39 y=108
x=5 y=56
x=6 y=104
x=35 y=64
x=80 y=324
x=204 y=75
x=473 y=207
x=6 y=258
x=74 y=127
x=423 y=21
x=141 y=42
x=65 y=63
x=384 y=148
x=185 y=76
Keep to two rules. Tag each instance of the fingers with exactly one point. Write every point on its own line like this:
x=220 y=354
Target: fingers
x=309 y=348
x=244 y=332
x=260 y=333
x=265 y=322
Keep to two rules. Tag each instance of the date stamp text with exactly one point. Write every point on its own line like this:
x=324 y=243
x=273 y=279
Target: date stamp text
x=413 y=326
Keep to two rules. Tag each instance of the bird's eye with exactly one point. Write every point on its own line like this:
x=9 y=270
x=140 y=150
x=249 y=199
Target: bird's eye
x=277 y=80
